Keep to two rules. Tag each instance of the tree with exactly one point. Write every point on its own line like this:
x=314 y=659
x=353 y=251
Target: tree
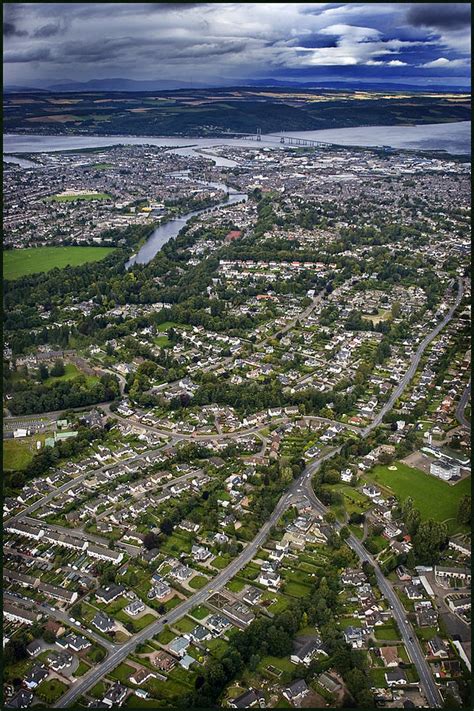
x=58 y=369
x=344 y=533
x=151 y=540
x=429 y=540
x=464 y=510
x=43 y=372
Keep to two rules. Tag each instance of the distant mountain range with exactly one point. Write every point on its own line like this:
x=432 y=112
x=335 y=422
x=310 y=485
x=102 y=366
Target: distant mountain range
x=124 y=85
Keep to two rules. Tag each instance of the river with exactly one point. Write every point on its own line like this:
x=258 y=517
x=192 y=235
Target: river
x=171 y=229
x=453 y=137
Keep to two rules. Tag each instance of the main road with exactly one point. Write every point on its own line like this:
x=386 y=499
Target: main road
x=287 y=499
x=460 y=416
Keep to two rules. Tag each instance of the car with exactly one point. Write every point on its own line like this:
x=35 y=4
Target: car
x=411 y=639
x=406 y=622
x=165 y=620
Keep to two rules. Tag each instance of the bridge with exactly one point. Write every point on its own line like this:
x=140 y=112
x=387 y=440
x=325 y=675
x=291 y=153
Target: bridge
x=288 y=140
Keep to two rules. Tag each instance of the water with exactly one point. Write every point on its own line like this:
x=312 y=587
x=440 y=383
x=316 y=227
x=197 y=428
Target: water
x=171 y=229
x=453 y=137
x=19 y=161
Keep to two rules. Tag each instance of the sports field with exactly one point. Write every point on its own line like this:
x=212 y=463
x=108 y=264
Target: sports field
x=434 y=498
x=32 y=260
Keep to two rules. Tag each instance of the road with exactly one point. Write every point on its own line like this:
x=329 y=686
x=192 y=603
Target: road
x=460 y=416
x=407 y=633
x=304 y=481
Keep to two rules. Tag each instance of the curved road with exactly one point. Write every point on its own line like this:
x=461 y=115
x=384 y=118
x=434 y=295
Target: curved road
x=460 y=416
x=304 y=481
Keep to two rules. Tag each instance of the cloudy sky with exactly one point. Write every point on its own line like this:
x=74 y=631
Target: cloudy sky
x=222 y=43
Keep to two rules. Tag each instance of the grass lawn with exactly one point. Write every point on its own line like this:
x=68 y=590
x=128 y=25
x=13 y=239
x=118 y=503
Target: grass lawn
x=221 y=561
x=137 y=623
x=434 y=498
x=426 y=633
x=134 y=702
x=200 y=613
x=184 y=625
x=70 y=371
x=81 y=669
x=198 y=582
x=51 y=690
x=386 y=632
x=32 y=260
x=166 y=326
x=166 y=636
x=235 y=585
x=18 y=453
x=217 y=647
x=122 y=672
x=98 y=690
x=296 y=589
x=86 y=196
x=282 y=663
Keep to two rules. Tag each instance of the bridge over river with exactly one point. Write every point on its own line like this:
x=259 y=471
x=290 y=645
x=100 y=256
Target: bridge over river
x=288 y=140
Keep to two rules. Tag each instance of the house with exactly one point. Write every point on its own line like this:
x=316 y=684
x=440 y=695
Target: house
x=163 y=661
x=217 y=623
x=186 y=661
x=426 y=617
x=269 y=578
x=134 y=608
x=159 y=590
x=73 y=641
x=59 y=660
x=445 y=470
x=437 y=648
x=252 y=595
x=200 y=553
x=353 y=577
x=103 y=553
x=389 y=656
x=21 y=700
x=115 y=695
x=445 y=573
x=18 y=614
x=305 y=650
x=103 y=622
x=395 y=677
x=34 y=648
x=141 y=676
x=329 y=682
x=370 y=491
x=346 y=476
x=109 y=593
x=354 y=636
x=296 y=691
x=179 y=646
x=246 y=700
x=403 y=573
x=35 y=676
x=198 y=634
x=413 y=592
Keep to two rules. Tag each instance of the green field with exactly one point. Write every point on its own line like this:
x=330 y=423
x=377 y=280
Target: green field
x=32 y=260
x=18 y=453
x=86 y=197
x=70 y=371
x=434 y=498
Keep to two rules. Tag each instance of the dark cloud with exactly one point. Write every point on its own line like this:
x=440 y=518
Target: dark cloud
x=27 y=55
x=9 y=30
x=47 y=31
x=442 y=16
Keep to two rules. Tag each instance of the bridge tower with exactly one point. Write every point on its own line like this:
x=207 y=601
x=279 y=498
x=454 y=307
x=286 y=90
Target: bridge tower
x=259 y=134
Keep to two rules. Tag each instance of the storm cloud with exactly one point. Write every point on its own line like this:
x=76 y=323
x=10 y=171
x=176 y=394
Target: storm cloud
x=225 y=43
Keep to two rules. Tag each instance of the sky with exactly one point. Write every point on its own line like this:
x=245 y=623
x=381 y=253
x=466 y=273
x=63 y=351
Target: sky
x=217 y=44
